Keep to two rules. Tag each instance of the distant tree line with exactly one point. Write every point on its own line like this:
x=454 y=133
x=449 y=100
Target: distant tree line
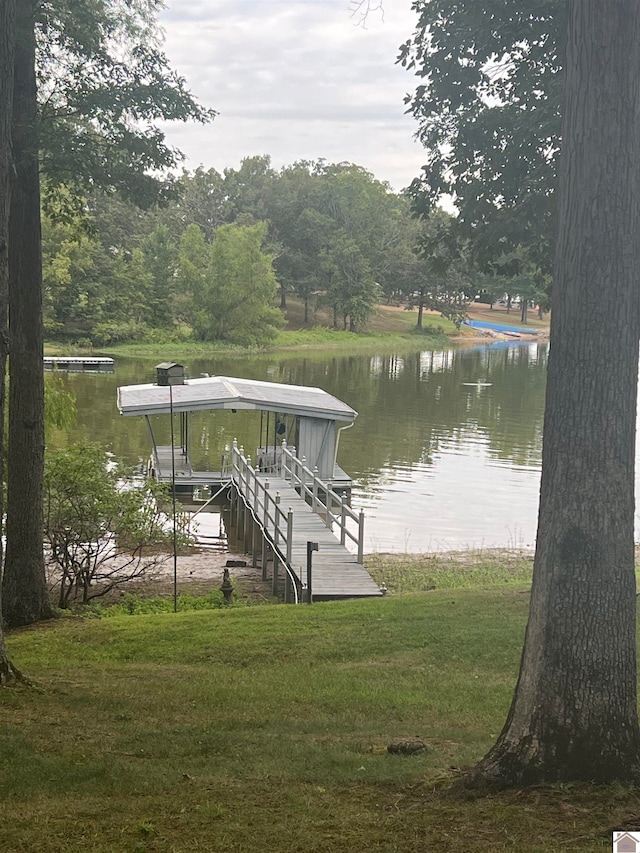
x=219 y=260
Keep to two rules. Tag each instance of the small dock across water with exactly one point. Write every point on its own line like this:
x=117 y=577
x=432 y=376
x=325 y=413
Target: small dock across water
x=79 y=363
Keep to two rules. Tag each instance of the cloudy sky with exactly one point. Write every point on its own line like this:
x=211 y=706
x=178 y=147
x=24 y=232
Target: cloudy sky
x=296 y=79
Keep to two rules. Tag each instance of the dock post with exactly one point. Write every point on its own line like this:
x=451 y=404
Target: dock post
x=254 y=545
x=265 y=557
x=276 y=539
x=265 y=527
x=251 y=481
x=276 y=527
x=289 y=535
x=240 y=491
x=314 y=490
x=343 y=521
x=246 y=498
x=265 y=519
x=240 y=519
x=361 y=537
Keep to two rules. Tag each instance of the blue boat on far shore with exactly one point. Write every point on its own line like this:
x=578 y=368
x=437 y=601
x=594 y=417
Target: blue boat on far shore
x=499 y=327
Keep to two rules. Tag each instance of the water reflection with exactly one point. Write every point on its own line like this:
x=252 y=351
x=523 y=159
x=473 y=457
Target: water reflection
x=445 y=451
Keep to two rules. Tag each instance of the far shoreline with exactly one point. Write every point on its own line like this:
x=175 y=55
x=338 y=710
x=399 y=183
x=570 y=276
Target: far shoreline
x=392 y=328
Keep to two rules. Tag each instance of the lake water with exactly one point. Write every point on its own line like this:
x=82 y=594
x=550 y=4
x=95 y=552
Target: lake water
x=445 y=451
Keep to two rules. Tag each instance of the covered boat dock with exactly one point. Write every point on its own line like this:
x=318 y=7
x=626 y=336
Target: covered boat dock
x=292 y=497
x=306 y=418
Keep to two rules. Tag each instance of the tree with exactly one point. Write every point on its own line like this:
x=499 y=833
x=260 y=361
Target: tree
x=103 y=84
x=488 y=109
x=70 y=264
x=574 y=712
x=99 y=534
x=161 y=260
x=191 y=274
x=521 y=277
x=236 y=304
x=25 y=597
x=352 y=290
x=439 y=277
x=203 y=200
x=8 y=672
x=246 y=188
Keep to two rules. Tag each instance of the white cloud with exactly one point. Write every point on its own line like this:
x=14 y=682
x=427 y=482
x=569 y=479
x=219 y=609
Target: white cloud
x=295 y=79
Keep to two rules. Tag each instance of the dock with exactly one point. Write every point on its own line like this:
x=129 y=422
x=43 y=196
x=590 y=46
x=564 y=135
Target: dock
x=292 y=511
x=176 y=471
x=79 y=363
x=278 y=513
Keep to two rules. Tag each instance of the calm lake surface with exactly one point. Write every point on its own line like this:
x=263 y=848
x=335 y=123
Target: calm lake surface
x=445 y=452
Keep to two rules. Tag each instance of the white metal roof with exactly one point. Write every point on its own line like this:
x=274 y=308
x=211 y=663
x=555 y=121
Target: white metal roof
x=227 y=392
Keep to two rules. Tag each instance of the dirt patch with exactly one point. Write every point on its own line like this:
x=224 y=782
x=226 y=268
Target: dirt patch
x=202 y=572
x=198 y=572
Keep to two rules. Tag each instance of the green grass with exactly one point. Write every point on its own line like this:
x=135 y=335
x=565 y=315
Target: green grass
x=451 y=570
x=320 y=339
x=251 y=729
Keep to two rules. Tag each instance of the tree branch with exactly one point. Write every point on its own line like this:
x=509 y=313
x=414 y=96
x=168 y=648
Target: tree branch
x=361 y=9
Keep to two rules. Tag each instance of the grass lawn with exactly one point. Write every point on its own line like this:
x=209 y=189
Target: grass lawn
x=265 y=729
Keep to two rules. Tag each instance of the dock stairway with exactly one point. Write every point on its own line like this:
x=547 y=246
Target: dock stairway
x=277 y=512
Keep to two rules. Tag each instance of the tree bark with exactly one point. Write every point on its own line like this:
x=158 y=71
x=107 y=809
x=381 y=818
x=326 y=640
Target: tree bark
x=25 y=595
x=420 y=308
x=8 y=673
x=574 y=713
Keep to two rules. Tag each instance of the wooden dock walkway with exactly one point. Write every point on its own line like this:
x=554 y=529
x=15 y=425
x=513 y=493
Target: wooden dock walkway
x=277 y=514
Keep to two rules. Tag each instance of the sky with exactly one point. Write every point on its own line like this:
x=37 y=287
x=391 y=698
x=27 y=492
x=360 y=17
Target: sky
x=295 y=79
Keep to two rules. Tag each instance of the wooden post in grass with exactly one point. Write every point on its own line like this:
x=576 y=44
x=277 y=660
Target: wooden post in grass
x=311 y=547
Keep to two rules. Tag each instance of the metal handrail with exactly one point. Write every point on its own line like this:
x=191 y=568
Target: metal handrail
x=273 y=520
x=311 y=487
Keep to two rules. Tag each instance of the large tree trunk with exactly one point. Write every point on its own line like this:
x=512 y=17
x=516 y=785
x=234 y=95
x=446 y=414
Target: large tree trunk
x=25 y=595
x=8 y=672
x=574 y=712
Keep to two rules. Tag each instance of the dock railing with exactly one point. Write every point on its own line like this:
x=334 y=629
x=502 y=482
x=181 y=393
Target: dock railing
x=265 y=508
x=324 y=501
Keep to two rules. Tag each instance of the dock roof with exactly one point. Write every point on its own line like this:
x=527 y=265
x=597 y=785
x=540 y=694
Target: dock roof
x=228 y=392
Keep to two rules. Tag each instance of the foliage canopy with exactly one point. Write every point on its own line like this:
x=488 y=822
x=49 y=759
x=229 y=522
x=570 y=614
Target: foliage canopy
x=488 y=112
